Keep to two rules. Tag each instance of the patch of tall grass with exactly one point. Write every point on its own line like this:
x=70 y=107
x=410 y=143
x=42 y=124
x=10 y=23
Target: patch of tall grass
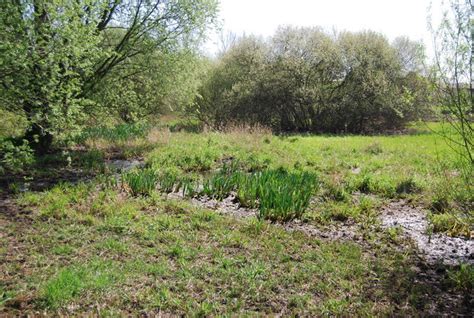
x=280 y=195
x=140 y=182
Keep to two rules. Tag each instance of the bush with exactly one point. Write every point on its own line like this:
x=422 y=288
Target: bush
x=13 y=157
x=305 y=80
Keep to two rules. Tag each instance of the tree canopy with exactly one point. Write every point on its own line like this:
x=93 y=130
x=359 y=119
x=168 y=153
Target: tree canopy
x=56 y=54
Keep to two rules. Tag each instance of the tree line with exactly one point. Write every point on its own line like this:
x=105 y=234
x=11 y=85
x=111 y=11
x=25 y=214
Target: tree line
x=308 y=80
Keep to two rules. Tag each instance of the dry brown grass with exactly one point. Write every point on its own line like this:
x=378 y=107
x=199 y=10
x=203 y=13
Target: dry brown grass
x=159 y=136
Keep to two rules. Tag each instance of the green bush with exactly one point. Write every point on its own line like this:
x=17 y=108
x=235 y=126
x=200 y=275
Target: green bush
x=13 y=157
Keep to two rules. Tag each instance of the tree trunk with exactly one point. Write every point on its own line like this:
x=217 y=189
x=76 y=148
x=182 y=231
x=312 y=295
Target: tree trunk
x=39 y=139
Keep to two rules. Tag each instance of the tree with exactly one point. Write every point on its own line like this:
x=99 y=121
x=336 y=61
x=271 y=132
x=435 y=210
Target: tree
x=453 y=74
x=305 y=80
x=56 y=54
x=411 y=54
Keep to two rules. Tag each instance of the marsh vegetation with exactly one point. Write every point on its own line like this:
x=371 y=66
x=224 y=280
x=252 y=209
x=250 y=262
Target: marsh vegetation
x=306 y=174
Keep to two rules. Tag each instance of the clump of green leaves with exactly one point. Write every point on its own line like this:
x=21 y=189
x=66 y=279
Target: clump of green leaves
x=408 y=186
x=120 y=132
x=140 y=182
x=223 y=182
x=15 y=157
x=451 y=224
x=284 y=196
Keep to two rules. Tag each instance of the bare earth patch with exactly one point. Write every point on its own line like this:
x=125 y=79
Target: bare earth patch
x=434 y=248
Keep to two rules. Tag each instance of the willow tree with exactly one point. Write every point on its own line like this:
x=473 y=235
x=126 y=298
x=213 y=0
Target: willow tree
x=56 y=53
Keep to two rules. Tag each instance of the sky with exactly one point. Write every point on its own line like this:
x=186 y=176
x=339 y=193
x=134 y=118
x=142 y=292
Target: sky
x=391 y=17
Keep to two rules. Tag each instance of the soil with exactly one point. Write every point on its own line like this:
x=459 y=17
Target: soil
x=433 y=248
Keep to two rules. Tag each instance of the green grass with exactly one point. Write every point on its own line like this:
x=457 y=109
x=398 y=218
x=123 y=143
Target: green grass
x=171 y=257
x=71 y=281
x=140 y=182
x=93 y=248
x=119 y=132
x=420 y=166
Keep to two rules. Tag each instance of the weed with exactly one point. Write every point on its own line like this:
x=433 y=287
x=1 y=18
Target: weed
x=374 y=148
x=92 y=160
x=394 y=233
x=284 y=196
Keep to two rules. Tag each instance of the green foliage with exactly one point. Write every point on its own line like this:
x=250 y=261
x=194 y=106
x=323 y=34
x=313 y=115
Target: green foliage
x=65 y=62
x=92 y=160
x=453 y=78
x=13 y=157
x=140 y=182
x=186 y=125
x=279 y=195
x=304 y=79
x=120 y=132
x=462 y=278
x=13 y=125
x=284 y=196
x=450 y=224
x=408 y=186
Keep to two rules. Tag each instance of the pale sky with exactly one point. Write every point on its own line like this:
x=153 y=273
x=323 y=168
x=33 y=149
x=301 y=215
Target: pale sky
x=390 y=17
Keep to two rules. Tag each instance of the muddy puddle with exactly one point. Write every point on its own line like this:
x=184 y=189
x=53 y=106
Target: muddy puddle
x=434 y=248
x=230 y=206
x=121 y=165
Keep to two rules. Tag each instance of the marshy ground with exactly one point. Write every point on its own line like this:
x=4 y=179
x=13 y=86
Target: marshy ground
x=242 y=222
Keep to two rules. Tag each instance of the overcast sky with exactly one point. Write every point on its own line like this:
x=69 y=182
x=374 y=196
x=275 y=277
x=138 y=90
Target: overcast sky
x=390 y=17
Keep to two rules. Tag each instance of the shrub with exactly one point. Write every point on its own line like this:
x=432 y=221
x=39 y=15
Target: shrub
x=306 y=80
x=15 y=157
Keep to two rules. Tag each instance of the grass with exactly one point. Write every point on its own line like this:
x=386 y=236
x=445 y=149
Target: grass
x=140 y=182
x=419 y=167
x=280 y=195
x=170 y=257
x=70 y=281
x=120 y=247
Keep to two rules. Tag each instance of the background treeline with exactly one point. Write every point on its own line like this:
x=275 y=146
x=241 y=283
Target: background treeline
x=308 y=80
